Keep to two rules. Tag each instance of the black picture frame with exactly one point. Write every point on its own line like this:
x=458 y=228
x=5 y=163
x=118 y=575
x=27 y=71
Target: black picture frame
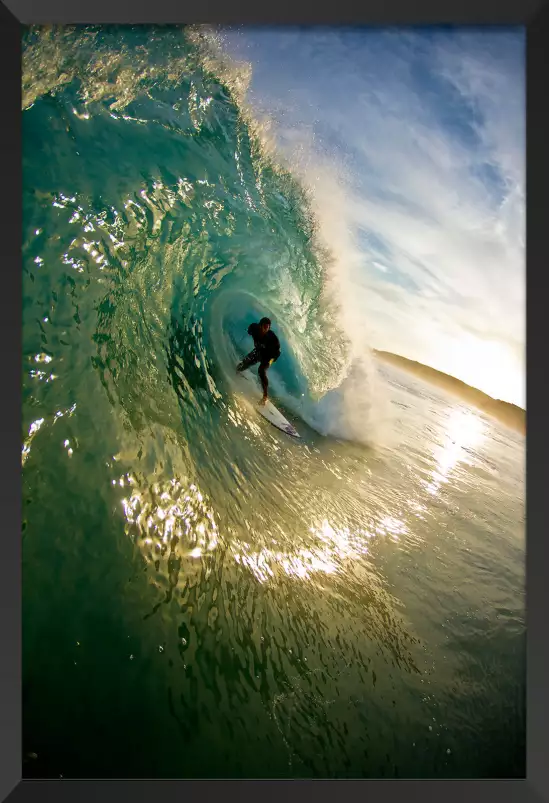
x=532 y=14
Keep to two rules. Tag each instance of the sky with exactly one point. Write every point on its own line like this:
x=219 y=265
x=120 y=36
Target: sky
x=413 y=141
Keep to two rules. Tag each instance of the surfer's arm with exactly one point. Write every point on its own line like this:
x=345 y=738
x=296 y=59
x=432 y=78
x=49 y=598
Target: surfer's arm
x=276 y=351
x=273 y=354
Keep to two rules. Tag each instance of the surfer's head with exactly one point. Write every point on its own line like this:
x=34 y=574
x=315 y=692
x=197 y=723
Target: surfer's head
x=264 y=325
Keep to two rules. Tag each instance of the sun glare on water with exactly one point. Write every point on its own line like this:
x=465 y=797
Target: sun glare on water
x=464 y=430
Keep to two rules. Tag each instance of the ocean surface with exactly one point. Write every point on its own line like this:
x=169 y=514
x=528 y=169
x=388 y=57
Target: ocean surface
x=202 y=595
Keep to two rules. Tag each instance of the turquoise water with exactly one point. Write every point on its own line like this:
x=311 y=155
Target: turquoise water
x=202 y=596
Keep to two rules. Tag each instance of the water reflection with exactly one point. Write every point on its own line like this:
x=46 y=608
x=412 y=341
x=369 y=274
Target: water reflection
x=37 y=425
x=245 y=614
x=33 y=429
x=169 y=514
x=464 y=430
x=329 y=551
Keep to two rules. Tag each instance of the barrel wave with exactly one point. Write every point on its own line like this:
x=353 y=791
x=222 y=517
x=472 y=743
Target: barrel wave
x=194 y=239
x=204 y=596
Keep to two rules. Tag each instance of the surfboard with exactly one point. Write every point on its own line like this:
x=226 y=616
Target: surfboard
x=268 y=410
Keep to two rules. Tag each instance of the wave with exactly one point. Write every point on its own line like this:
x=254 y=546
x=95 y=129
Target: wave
x=209 y=228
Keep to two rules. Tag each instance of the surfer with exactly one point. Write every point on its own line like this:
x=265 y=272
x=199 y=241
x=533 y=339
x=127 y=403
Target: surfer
x=266 y=351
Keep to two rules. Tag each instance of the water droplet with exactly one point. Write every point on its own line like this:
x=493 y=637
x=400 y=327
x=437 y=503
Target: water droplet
x=183 y=641
x=430 y=727
x=448 y=751
x=160 y=648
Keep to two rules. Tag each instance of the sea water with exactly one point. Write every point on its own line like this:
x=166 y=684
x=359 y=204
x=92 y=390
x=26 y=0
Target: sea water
x=202 y=595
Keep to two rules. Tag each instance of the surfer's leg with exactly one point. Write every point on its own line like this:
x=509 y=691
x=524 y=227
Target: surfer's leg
x=262 y=371
x=249 y=360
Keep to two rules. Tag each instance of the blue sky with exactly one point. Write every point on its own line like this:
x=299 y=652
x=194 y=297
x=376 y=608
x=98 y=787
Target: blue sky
x=413 y=142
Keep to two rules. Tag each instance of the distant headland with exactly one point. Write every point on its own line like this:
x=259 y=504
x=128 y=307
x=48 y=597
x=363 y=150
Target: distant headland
x=508 y=414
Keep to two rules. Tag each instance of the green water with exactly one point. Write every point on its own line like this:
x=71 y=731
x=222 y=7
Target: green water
x=203 y=596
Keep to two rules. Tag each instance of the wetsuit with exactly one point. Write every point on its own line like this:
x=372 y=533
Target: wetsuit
x=266 y=351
